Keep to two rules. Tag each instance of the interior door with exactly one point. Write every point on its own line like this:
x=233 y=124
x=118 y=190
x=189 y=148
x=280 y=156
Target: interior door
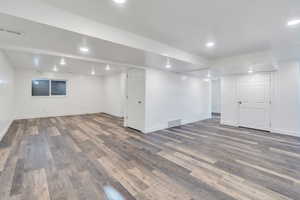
x=135 y=112
x=254 y=101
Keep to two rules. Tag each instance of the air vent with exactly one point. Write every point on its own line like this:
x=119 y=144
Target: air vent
x=174 y=123
x=17 y=33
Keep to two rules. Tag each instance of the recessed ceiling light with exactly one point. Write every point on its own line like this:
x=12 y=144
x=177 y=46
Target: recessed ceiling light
x=107 y=68
x=183 y=78
x=36 y=61
x=168 y=65
x=84 y=49
x=62 y=61
x=120 y=1
x=210 y=44
x=293 y=22
x=250 y=71
x=55 y=68
x=93 y=72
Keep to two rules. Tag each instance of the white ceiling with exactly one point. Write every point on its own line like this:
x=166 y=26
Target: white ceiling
x=46 y=63
x=39 y=39
x=237 y=26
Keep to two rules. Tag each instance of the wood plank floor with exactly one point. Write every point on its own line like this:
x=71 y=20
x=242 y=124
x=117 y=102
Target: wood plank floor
x=93 y=157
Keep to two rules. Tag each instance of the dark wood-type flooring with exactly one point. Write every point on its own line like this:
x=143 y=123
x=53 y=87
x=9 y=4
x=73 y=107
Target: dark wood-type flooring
x=94 y=157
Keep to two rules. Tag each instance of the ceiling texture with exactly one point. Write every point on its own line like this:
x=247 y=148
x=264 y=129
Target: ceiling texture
x=143 y=33
x=237 y=26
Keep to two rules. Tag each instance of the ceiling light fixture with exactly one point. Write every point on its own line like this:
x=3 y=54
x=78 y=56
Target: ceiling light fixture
x=183 y=78
x=120 y=1
x=93 y=72
x=36 y=61
x=84 y=49
x=210 y=44
x=168 y=65
x=55 y=68
x=250 y=71
x=107 y=68
x=293 y=22
x=63 y=61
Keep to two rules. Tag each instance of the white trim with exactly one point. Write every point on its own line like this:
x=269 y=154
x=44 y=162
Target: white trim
x=62 y=115
x=4 y=131
x=230 y=123
x=286 y=132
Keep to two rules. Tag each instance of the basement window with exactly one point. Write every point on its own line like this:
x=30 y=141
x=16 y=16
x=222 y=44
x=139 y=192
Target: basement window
x=46 y=88
x=58 y=88
x=40 y=88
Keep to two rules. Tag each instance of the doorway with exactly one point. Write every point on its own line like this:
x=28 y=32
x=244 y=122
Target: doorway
x=135 y=99
x=253 y=92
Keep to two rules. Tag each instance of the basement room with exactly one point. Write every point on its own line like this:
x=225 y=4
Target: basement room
x=149 y=100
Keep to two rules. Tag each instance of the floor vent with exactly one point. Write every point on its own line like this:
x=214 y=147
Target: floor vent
x=174 y=123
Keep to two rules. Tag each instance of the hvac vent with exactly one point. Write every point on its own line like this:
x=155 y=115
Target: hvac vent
x=17 y=33
x=174 y=123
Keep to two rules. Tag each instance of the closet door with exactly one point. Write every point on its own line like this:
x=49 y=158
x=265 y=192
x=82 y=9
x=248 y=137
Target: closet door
x=135 y=112
x=253 y=93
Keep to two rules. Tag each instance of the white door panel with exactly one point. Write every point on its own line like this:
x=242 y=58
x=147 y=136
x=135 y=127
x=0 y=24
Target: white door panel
x=136 y=99
x=254 y=101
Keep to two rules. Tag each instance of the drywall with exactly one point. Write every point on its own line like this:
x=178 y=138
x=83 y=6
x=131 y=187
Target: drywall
x=172 y=97
x=6 y=94
x=229 y=107
x=32 y=9
x=285 y=112
x=216 y=96
x=83 y=96
x=113 y=88
x=285 y=99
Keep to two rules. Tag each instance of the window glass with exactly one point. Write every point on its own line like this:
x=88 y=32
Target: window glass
x=58 y=88
x=40 y=88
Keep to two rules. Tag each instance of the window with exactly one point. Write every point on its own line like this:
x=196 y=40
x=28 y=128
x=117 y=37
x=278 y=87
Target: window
x=40 y=88
x=58 y=88
x=49 y=88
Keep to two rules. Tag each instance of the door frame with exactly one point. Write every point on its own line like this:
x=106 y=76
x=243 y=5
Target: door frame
x=269 y=128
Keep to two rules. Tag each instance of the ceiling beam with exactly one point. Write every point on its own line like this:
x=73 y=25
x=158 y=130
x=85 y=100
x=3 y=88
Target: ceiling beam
x=41 y=12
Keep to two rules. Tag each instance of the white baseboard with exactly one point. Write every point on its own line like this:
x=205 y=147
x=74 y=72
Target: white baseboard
x=229 y=123
x=286 y=132
x=59 y=115
x=5 y=129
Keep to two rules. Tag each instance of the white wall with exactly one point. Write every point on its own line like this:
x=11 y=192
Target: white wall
x=285 y=116
x=285 y=98
x=114 y=94
x=6 y=94
x=172 y=97
x=216 y=96
x=84 y=96
x=229 y=106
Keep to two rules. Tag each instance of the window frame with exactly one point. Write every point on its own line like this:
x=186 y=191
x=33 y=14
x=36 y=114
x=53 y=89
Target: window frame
x=50 y=87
